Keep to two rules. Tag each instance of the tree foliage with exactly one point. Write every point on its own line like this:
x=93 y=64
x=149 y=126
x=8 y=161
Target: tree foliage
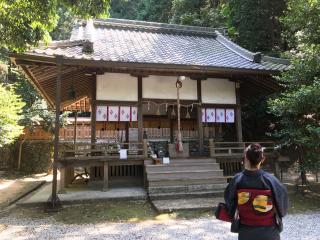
x=125 y=9
x=301 y=23
x=255 y=24
x=298 y=107
x=256 y=121
x=155 y=10
x=206 y=13
x=10 y=110
x=23 y=23
x=65 y=24
x=147 y=10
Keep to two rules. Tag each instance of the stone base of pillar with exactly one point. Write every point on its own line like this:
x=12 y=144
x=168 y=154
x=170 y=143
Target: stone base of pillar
x=173 y=153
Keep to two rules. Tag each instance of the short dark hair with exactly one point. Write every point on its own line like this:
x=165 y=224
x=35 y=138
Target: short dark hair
x=254 y=153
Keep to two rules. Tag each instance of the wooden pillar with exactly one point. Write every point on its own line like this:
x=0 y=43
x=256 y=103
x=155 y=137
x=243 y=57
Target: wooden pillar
x=140 y=113
x=238 y=114
x=75 y=129
x=62 y=183
x=93 y=110
x=105 y=176
x=171 y=124
x=199 y=117
x=145 y=148
x=127 y=133
x=66 y=178
x=93 y=170
x=54 y=197
x=212 y=151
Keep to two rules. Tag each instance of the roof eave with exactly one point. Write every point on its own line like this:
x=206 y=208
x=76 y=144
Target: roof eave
x=33 y=82
x=40 y=59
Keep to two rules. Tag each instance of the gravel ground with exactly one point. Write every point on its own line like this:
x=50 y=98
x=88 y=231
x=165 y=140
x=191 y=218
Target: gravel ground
x=298 y=226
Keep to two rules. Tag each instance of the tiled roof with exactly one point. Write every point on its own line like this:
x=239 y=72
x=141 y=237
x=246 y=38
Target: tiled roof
x=127 y=41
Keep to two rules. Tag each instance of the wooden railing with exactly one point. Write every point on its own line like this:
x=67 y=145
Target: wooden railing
x=104 y=151
x=218 y=149
x=230 y=154
x=103 y=160
x=84 y=133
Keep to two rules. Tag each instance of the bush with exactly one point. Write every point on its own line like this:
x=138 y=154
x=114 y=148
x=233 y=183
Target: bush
x=36 y=156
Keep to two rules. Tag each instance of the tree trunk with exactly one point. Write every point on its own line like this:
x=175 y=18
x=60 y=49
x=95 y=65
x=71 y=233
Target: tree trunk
x=20 y=152
x=301 y=161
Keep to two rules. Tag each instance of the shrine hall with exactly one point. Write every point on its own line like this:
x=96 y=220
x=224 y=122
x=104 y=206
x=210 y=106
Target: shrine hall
x=164 y=102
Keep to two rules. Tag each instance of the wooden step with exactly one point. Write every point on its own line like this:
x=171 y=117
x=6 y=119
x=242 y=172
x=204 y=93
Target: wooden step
x=187 y=188
x=175 y=195
x=174 y=167
x=187 y=174
x=177 y=182
x=192 y=160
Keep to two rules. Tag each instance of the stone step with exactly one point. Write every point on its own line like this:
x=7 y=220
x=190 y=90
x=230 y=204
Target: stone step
x=192 y=160
x=187 y=188
x=174 y=167
x=164 y=206
x=187 y=174
x=190 y=181
x=182 y=195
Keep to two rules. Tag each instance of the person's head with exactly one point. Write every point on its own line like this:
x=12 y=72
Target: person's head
x=254 y=156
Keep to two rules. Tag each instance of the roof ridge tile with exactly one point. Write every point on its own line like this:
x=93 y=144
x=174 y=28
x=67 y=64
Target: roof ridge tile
x=60 y=44
x=152 y=26
x=254 y=57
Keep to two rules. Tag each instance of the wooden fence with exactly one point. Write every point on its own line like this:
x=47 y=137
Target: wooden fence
x=6 y=157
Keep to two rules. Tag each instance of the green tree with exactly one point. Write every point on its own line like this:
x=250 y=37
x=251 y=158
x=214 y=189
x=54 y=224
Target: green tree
x=125 y=9
x=255 y=24
x=23 y=23
x=155 y=10
x=206 y=13
x=10 y=110
x=301 y=23
x=147 y=10
x=257 y=123
x=65 y=24
x=298 y=107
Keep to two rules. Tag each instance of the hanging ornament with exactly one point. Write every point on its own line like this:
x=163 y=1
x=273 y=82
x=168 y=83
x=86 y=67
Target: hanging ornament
x=188 y=114
x=173 y=113
x=158 y=111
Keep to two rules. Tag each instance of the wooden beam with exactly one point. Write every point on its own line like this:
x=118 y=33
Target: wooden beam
x=139 y=74
x=37 y=86
x=49 y=75
x=177 y=68
x=33 y=63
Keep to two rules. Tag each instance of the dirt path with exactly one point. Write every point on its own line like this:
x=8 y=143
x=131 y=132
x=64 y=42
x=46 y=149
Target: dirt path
x=12 y=187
